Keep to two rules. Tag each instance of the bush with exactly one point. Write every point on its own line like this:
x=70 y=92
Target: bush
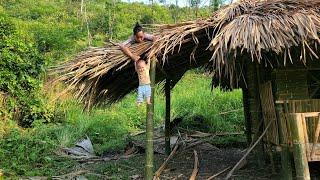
x=21 y=67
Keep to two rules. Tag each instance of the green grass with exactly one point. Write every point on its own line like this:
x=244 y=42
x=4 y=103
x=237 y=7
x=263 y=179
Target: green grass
x=200 y=107
x=31 y=152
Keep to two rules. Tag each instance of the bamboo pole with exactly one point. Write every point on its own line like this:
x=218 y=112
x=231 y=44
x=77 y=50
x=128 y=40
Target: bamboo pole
x=162 y=167
x=149 y=125
x=167 y=121
x=248 y=151
x=259 y=152
x=195 y=166
x=286 y=168
x=299 y=148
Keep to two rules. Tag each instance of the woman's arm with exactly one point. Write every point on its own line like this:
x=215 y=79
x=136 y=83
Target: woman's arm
x=127 y=52
x=150 y=37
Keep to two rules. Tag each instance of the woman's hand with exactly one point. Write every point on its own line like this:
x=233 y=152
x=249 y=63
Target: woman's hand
x=135 y=58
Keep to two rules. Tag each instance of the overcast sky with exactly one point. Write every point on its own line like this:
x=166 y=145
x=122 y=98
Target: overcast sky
x=181 y=3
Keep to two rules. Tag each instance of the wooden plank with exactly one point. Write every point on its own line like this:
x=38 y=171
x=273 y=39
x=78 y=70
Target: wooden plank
x=269 y=112
x=306 y=114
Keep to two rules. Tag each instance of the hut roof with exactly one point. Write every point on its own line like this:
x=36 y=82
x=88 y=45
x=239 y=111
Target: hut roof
x=246 y=30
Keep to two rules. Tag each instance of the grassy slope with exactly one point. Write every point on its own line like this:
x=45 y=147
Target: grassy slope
x=31 y=151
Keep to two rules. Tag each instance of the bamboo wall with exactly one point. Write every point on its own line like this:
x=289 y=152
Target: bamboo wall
x=290 y=84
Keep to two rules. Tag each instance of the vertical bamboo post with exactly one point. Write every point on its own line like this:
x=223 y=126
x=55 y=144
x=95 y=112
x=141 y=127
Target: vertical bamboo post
x=167 y=121
x=149 y=124
x=299 y=148
x=260 y=148
x=286 y=168
x=248 y=122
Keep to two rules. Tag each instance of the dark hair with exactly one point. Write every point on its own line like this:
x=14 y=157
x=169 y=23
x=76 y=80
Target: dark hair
x=137 y=28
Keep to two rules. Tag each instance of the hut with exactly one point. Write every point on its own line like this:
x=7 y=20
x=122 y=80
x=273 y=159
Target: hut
x=269 y=49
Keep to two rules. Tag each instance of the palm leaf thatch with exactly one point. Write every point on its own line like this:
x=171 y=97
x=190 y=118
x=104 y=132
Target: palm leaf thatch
x=260 y=29
x=255 y=31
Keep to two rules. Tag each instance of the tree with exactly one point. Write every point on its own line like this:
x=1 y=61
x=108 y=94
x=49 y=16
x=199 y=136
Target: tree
x=214 y=4
x=195 y=5
x=110 y=7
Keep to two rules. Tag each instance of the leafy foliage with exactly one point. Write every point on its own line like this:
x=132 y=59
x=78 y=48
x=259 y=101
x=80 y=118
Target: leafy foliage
x=21 y=67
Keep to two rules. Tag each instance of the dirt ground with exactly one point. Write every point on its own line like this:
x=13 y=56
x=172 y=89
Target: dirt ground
x=180 y=167
x=213 y=158
x=213 y=161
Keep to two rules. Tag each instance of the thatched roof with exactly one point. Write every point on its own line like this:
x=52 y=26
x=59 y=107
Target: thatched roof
x=254 y=30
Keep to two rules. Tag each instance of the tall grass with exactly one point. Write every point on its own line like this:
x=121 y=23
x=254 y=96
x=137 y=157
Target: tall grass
x=200 y=107
x=31 y=151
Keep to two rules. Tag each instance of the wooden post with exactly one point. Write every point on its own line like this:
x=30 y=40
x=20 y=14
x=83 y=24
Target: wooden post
x=299 y=148
x=259 y=152
x=149 y=125
x=286 y=168
x=167 y=121
x=248 y=122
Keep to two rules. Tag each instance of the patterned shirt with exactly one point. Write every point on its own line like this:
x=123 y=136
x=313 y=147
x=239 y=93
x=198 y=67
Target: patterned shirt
x=132 y=40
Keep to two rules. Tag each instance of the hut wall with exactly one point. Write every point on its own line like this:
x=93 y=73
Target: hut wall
x=290 y=84
x=297 y=81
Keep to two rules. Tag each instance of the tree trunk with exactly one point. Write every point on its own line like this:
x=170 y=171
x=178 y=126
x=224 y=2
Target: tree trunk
x=81 y=8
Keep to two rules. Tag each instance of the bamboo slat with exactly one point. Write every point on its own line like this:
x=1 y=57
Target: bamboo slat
x=269 y=112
